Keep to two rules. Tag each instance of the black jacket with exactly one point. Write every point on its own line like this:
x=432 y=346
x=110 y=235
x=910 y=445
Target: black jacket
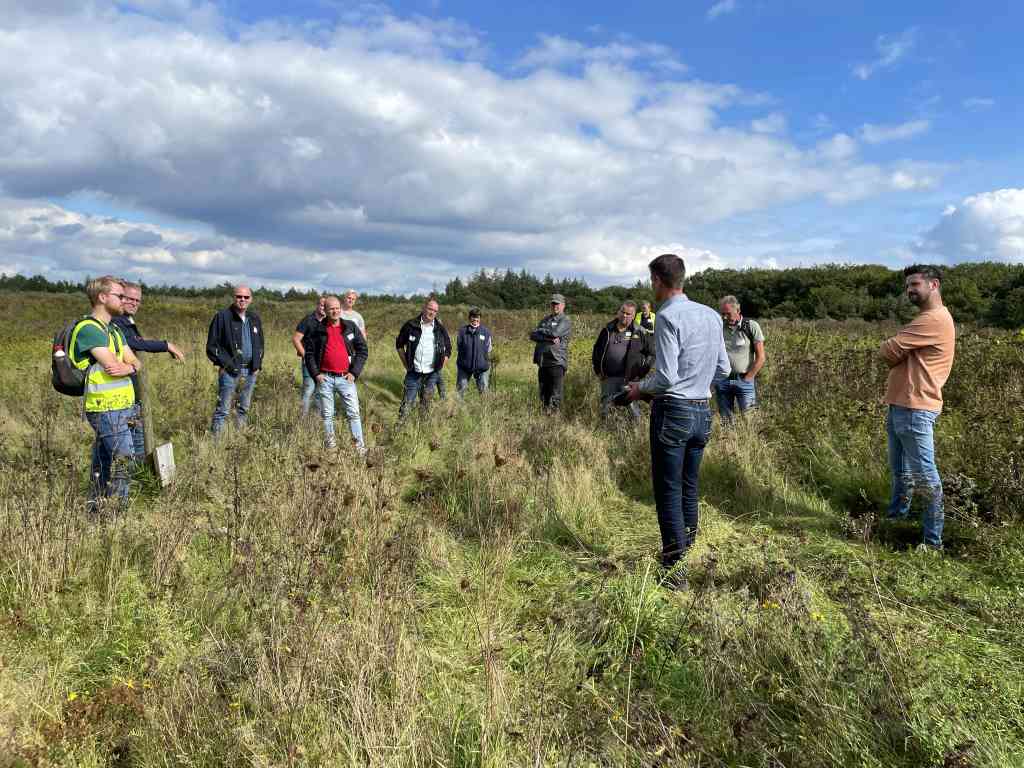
x=545 y=352
x=315 y=342
x=474 y=348
x=639 y=351
x=224 y=340
x=126 y=323
x=409 y=338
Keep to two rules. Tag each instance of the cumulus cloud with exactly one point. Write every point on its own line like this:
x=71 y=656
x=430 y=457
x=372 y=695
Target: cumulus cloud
x=880 y=134
x=379 y=141
x=721 y=8
x=891 y=49
x=985 y=227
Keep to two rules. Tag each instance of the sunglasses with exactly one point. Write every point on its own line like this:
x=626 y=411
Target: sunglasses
x=240 y=296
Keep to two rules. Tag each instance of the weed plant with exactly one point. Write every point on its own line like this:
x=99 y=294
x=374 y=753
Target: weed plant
x=482 y=589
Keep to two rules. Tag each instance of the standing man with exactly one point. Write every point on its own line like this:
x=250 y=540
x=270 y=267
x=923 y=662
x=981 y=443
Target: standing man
x=474 y=360
x=623 y=352
x=689 y=355
x=744 y=341
x=305 y=327
x=100 y=349
x=348 y=312
x=551 y=353
x=920 y=358
x=424 y=346
x=645 y=318
x=335 y=355
x=126 y=324
x=235 y=345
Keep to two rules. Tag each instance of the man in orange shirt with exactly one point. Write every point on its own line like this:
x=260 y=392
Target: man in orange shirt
x=920 y=357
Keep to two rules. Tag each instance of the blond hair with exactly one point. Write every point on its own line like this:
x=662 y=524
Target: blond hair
x=100 y=285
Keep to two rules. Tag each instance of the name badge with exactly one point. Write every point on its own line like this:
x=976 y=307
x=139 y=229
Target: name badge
x=482 y=337
x=412 y=338
x=629 y=334
x=351 y=336
x=255 y=330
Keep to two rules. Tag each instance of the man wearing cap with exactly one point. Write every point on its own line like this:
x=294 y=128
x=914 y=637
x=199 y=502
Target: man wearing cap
x=623 y=352
x=551 y=353
x=474 y=360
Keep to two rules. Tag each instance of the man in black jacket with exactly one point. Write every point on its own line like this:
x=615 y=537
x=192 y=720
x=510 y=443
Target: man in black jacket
x=551 y=352
x=126 y=323
x=335 y=353
x=623 y=352
x=235 y=345
x=424 y=346
x=474 y=360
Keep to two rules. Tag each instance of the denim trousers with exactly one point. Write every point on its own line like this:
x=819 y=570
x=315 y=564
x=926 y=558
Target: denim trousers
x=734 y=395
x=138 y=434
x=421 y=384
x=308 y=388
x=610 y=387
x=912 y=464
x=113 y=452
x=680 y=430
x=227 y=385
x=482 y=379
x=346 y=390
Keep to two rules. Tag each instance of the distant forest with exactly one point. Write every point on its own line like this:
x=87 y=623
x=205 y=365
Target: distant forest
x=986 y=292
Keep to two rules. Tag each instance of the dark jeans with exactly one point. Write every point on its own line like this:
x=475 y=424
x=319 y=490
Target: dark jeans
x=550 y=378
x=421 y=384
x=679 y=431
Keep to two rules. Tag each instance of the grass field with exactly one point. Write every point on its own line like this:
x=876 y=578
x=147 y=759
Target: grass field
x=483 y=591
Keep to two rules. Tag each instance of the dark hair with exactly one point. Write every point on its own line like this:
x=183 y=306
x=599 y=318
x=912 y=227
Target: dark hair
x=925 y=270
x=669 y=269
x=474 y=311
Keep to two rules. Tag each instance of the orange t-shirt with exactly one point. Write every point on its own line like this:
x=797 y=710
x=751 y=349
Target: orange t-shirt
x=921 y=355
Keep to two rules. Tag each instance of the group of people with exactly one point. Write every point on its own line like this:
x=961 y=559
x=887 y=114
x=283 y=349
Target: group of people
x=674 y=359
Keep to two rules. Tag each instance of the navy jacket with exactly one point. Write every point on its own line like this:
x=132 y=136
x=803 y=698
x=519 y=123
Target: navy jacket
x=224 y=340
x=409 y=338
x=315 y=342
x=474 y=348
x=126 y=324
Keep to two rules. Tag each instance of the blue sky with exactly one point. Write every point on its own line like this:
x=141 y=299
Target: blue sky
x=389 y=147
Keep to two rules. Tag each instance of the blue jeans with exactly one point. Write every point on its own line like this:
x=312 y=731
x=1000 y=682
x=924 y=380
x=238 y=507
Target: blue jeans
x=912 y=463
x=308 y=388
x=113 y=453
x=138 y=435
x=734 y=395
x=421 y=384
x=462 y=378
x=679 y=431
x=349 y=399
x=227 y=384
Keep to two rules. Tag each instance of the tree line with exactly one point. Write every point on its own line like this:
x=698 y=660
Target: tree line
x=985 y=292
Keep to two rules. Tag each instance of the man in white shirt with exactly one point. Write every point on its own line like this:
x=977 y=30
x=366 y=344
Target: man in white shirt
x=424 y=347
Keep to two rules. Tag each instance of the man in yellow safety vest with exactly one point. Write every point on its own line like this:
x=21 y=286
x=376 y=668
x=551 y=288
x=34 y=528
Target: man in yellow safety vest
x=99 y=348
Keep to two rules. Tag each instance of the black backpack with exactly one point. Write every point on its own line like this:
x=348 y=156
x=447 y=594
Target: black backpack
x=745 y=330
x=67 y=378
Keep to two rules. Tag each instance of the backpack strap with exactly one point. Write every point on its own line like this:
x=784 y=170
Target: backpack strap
x=74 y=336
x=746 y=329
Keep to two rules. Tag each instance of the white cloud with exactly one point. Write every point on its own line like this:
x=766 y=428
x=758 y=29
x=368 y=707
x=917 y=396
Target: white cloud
x=879 y=134
x=978 y=103
x=773 y=123
x=985 y=227
x=721 y=8
x=891 y=50
x=384 y=145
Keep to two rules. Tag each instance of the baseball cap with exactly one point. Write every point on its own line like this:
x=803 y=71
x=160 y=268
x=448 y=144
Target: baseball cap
x=557 y=298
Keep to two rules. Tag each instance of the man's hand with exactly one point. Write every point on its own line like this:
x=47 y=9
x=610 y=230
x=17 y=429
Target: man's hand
x=320 y=378
x=349 y=377
x=556 y=341
x=747 y=377
x=176 y=353
x=634 y=392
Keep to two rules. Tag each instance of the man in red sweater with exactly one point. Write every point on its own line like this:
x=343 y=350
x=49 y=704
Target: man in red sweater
x=336 y=352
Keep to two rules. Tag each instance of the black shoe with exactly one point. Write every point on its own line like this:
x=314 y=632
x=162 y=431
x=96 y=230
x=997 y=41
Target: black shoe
x=675 y=579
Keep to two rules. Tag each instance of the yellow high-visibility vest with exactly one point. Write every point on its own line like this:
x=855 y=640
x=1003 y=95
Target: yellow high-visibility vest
x=104 y=392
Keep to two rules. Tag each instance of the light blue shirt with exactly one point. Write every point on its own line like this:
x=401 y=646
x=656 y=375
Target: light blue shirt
x=689 y=351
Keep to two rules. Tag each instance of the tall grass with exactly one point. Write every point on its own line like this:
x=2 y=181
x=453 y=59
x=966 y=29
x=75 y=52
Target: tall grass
x=483 y=592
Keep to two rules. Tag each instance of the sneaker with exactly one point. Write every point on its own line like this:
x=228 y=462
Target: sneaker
x=676 y=580
x=930 y=549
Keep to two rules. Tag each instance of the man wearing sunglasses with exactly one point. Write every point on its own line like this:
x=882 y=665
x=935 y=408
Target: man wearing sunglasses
x=235 y=345
x=126 y=324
